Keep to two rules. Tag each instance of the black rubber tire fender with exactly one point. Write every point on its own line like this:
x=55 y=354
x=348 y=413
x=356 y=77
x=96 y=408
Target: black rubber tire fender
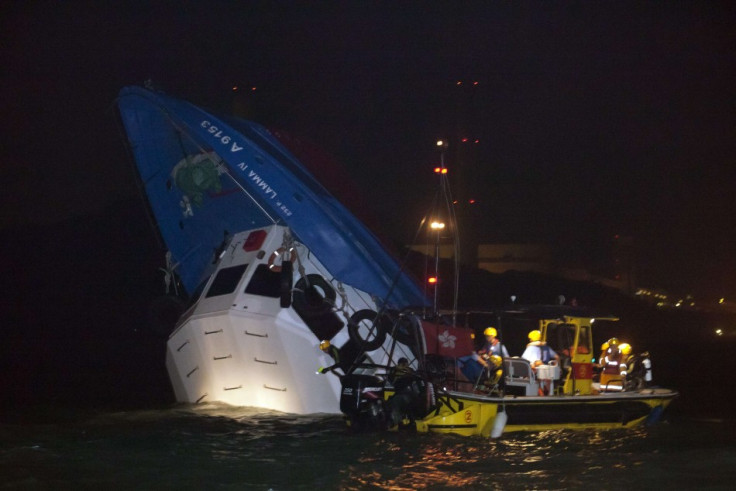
x=309 y=301
x=380 y=326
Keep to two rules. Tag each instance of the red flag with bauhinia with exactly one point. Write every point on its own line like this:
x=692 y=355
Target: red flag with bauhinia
x=447 y=340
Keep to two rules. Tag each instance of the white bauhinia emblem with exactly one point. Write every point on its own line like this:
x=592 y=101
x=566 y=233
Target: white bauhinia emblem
x=447 y=339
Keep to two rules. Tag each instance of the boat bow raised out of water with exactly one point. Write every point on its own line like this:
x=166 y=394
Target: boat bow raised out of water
x=271 y=262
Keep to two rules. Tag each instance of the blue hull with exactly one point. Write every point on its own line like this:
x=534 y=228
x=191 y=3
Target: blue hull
x=208 y=176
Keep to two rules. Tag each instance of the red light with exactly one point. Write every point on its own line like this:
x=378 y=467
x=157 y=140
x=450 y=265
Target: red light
x=475 y=83
x=476 y=141
x=235 y=88
x=255 y=240
x=472 y=201
x=432 y=280
x=459 y=82
x=437 y=170
x=464 y=140
x=253 y=89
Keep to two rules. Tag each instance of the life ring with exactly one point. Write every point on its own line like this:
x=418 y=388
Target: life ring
x=380 y=325
x=278 y=252
x=313 y=296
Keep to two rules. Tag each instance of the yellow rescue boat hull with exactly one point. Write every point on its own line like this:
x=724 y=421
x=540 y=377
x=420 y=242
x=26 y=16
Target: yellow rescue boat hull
x=469 y=414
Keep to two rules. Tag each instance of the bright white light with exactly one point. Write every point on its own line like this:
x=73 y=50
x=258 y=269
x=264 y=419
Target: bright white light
x=436 y=225
x=719 y=332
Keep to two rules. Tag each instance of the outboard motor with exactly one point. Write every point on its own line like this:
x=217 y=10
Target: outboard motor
x=362 y=401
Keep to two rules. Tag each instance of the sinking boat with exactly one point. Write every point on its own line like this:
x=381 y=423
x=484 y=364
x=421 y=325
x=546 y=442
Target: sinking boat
x=270 y=262
x=281 y=280
x=515 y=394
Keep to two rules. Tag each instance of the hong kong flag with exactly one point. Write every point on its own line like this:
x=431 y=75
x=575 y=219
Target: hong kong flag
x=447 y=340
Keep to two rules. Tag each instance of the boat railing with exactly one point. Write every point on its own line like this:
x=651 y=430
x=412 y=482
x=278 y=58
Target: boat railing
x=614 y=385
x=520 y=378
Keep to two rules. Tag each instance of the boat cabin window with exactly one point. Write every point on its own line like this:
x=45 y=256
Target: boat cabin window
x=264 y=282
x=561 y=337
x=584 y=341
x=226 y=281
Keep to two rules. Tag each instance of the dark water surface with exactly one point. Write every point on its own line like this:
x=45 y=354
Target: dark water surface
x=221 y=447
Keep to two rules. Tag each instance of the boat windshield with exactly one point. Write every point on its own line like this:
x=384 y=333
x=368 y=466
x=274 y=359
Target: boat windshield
x=226 y=281
x=561 y=337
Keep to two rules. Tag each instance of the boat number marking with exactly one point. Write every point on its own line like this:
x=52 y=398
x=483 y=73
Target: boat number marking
x=217 y=133
x=468 y=415
x=583 y=371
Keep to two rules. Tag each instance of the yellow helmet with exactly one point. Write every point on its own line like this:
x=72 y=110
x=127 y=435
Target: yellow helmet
x=496 y=360
x=604 y=346
x=625 y=348
x=490 y=331
x=612 y=342
x=324 y=345
x=535 y=336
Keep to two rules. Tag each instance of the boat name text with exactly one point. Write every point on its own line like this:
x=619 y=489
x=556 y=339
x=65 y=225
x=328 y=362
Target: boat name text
x=267 y=190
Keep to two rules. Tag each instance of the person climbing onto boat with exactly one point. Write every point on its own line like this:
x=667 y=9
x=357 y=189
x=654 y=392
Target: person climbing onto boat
x=331 y=350
x=410 y=396
x=401 y=370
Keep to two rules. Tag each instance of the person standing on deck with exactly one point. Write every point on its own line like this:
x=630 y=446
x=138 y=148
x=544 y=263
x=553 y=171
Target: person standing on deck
x=493 y=345
x=473 y=364
x=537 y=352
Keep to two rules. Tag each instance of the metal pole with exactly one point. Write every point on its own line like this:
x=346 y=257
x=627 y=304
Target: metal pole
x=436 y=269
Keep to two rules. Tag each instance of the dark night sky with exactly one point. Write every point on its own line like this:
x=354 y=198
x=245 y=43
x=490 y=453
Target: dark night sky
x=592 y=118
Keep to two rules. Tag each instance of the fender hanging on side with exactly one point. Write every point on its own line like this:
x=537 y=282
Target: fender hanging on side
x=380 y=325
x=313 y=296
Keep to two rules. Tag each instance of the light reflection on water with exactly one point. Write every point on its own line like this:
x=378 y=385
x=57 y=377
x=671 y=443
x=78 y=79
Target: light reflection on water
x=191 y=447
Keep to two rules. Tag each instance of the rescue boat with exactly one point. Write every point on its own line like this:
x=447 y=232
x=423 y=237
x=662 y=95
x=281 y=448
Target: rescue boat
x=434 y=396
